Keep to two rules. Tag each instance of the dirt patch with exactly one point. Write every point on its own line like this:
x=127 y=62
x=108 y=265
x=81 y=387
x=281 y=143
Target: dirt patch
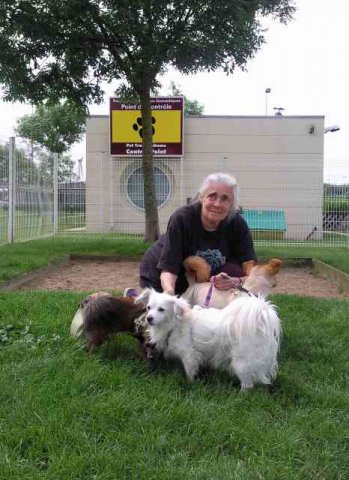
x=94 y=275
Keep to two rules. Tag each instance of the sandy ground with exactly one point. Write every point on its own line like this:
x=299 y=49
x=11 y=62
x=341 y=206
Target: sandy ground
x=91 y=276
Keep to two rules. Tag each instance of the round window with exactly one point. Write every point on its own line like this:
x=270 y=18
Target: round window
x=135 y=187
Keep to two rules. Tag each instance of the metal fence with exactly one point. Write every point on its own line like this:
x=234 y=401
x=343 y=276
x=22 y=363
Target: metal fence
x=26 y=196
x=33 y=204
x=72 y=207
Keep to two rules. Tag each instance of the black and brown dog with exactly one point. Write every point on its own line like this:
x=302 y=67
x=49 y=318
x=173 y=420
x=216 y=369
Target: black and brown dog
x=104 y=315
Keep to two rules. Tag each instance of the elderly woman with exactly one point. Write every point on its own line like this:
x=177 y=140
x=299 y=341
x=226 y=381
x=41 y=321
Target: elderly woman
x=209 y=227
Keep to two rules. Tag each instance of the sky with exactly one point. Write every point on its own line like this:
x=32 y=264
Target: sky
x=304 y=63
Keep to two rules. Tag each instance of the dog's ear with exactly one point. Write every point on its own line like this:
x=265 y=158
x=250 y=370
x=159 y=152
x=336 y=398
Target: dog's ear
x=144 y=296
x=180 y=307
x=275 y=265
x=247 y=266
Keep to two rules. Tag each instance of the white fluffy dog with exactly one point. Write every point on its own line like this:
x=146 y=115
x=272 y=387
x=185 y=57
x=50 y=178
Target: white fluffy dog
x=243 y=337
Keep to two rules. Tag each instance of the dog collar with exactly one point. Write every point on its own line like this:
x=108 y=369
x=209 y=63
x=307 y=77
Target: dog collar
x=242 y=289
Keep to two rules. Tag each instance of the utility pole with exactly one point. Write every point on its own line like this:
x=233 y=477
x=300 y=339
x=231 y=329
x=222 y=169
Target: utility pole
x=267 y=91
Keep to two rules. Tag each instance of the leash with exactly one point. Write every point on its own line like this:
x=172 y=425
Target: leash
x=209 y=293
x=244 y=290
x=240 y=288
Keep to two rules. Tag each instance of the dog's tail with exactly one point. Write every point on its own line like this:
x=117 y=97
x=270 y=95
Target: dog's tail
x=251 y=330
x=197 y=270
x=76 y=328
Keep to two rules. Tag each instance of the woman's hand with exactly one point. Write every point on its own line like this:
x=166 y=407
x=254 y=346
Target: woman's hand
x=168 y=282
x=222 y=281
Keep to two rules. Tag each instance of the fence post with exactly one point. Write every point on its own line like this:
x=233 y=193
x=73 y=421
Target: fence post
x=181 y=188
x=11 y=191
x=55 y=194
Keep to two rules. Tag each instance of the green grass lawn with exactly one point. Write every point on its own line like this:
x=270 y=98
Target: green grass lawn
x=32 y=225
x=67 y=415
x=72 y=220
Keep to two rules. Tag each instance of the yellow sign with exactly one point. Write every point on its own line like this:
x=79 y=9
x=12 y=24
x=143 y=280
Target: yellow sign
x=127 y=126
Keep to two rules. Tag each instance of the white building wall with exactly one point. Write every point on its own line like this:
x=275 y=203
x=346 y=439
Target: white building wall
x=277 y=161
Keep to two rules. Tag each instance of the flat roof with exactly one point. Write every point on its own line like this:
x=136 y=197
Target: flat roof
x=264 y=117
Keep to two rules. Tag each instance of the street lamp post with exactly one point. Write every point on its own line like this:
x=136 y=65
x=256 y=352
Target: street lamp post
x=267 y=90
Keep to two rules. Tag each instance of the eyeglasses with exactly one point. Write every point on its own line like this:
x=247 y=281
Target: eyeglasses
x=214 y=197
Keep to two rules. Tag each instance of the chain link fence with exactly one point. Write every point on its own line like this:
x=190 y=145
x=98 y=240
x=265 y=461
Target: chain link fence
x=336 y=201
x=33 y=204
x=26 y=196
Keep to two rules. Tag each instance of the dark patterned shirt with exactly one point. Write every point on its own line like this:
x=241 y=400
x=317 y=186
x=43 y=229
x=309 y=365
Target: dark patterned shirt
x=185 y=236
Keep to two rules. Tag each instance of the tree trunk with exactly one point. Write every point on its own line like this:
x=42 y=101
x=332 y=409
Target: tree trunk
x=150 y=204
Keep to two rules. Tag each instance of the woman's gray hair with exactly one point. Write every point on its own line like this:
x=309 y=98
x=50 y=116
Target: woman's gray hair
x=224 y=179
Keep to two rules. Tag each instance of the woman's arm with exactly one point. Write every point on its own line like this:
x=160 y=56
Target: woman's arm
x=168 y=282
x=176 y=242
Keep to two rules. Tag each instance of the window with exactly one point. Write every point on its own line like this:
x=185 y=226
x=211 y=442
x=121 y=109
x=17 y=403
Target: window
x=135 y=187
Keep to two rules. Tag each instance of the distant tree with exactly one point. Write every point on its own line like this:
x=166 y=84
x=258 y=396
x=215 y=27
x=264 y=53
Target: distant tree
x=26 y=169
x=3 y=164
x=53 y=49
x=335 y=190
x=192 y=107
x=30 y=172
x=55 y=127
x=65 y=167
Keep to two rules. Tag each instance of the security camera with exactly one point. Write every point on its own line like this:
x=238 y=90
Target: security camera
x=278 y=111
x=332 y=128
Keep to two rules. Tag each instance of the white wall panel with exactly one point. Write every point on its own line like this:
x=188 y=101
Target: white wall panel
x=278 y=164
